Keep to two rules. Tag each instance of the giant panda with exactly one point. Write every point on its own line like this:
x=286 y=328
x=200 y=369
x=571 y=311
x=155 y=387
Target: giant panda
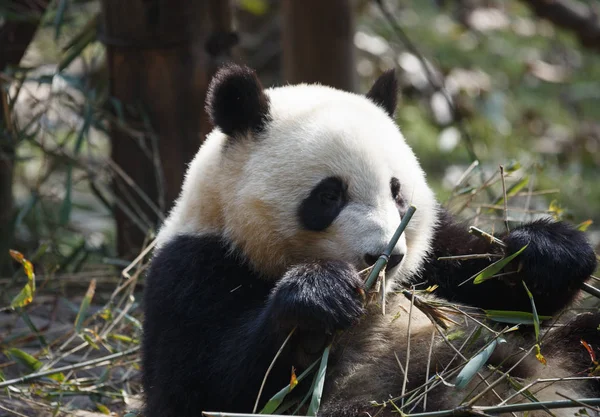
x=296 y=190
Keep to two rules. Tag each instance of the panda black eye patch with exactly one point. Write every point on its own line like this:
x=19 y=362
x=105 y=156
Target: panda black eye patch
x=395 y=188
x=324 y=203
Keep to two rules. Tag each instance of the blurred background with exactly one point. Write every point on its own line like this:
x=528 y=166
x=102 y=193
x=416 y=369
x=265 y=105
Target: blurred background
x=102 y=108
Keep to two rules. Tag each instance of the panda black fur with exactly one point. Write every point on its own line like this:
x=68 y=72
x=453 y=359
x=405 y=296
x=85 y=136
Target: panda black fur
x=296 y=189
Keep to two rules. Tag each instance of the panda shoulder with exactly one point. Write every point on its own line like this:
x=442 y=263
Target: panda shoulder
x=195 y=266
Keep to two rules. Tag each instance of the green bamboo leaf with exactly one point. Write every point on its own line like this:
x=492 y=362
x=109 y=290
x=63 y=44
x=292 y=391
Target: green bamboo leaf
x=512 y=166
x=315 y=401
x=518 y=387
x=277 y=399
x=475 y=364
x=90 y=341
x=536 y=318
x=255 y=7
x=583 y=226
x=494 y=268
x=85 y=304
x=473 y=338
x=30 y=362
x=24 y=358
x=512 y=190
x=25 y=296
x=513 y=317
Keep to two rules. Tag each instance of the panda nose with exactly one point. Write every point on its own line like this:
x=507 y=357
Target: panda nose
x=394 y=260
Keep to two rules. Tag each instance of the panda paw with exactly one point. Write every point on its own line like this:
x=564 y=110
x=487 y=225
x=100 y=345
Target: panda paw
x=324 y=296
x=557 y=260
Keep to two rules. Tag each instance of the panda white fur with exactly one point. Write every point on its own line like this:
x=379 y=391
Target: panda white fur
x=296 y=189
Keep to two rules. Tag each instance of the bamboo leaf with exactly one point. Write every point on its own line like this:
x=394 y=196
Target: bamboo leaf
x=536 y=318
x=538 y=354
x=513 y=317
x=25 y=296
x=255 y=7
x=315 y=401
x=512 y=190
x=583 y=226
x=293 y=379
x=277 y=399
x=85 y=304
x=30 y=362
x=475 y=364
x=90 y=341
x=494 y=268
x=24 y=358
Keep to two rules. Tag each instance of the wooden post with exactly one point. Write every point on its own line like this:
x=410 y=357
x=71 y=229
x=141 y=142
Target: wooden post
x=161 y=55
x=318 y=42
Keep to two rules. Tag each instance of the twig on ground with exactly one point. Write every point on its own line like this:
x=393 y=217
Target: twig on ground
x=80 y=365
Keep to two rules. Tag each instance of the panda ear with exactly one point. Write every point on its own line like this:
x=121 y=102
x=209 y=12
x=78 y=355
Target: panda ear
x=385 y=91
x=236 y=102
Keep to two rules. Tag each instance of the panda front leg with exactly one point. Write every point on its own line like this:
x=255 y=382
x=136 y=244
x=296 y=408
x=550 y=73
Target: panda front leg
x=557 y=260
x=317 y=299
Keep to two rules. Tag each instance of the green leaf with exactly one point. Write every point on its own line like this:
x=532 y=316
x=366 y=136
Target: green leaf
x=457 y=334
x=513 y=317
x=475 y=364
x=277 y=399
x=319 y=383
x=24 y=358
x=85 y=304
x=256 y=7
x=25 y=296
x=513 y=190
x=583 y=226
x=494 y=268
x=90 y=341
x=536 y=318
x=512 y=166
x=30 y=362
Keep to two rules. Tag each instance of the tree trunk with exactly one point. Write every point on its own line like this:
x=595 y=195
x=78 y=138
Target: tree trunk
x=318 y=42
x=161 y=55
x=15 y=37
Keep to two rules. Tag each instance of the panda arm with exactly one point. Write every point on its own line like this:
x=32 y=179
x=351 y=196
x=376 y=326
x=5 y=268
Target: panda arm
x=213 y=326
x=557 y=260
x=207 y=342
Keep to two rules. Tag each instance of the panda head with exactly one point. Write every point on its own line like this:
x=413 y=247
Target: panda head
x=303 y=173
